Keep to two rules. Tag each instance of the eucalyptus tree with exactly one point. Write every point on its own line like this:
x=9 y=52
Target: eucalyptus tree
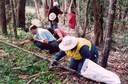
x=21 y=13
x=2 y=17
x=109 y=29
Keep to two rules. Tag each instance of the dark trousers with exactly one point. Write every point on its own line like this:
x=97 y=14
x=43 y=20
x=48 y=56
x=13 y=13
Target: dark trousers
x=52 y=46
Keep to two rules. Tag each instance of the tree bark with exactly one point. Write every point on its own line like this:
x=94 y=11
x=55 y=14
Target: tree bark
x=97 y=21
x=14 y=20
x=109 y=28
x=51 y=4
x=78 y=23
x=21 y=13
x=86 y=18
x=3 y=17
x=45 y=7
x=37 y=9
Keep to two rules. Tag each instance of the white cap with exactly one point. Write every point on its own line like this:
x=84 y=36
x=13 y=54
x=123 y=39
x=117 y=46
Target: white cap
x=55 y=4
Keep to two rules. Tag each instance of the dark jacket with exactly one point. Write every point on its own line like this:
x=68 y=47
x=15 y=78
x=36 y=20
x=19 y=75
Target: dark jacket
x=56 y=11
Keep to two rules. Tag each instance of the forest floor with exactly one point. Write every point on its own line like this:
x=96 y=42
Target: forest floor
x=117 y=61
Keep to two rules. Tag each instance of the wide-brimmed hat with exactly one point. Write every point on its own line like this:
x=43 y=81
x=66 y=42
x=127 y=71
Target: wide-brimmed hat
x=52 y=16
x=68 y=43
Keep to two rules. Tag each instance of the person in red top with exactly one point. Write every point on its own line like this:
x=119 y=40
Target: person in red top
x=71 y=19
x=58 y=34
x=56 y=11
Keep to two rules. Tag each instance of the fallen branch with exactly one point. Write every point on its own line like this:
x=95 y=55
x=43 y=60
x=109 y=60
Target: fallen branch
x=26 y=51
x=35 y=75
x=31 y=80
x=37 y=55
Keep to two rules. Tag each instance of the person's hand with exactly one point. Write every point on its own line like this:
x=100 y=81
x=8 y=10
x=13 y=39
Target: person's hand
x=65 y=12
x=53 y=63
x=34 y=39
x=21 y=43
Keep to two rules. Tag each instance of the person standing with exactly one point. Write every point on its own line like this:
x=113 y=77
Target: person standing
x=53 y=15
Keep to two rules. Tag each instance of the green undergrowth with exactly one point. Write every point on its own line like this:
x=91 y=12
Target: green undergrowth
x=25 y=64
x=19 y=59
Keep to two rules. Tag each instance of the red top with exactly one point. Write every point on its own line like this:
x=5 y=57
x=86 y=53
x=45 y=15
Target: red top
x=71 y=20
x=62 y=32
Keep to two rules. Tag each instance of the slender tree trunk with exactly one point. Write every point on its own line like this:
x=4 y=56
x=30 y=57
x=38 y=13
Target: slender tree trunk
x=14 y=20
x=125 y=12
x=21 y=13
x=45 y=7
x=109 y=28
x=8 y=14
x=37 y=9
x=86 y=18
x=119 y=16
x=2 y=17
x=51 y=4
x=77 y=27
x=73 y=7
x=97 y=21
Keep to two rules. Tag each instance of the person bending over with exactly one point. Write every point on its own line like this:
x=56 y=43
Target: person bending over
x=43 y=39
x=58 y=34
x=79 y=49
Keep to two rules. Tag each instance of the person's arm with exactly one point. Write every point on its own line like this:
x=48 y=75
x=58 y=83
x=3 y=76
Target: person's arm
x=48 y=13
x=60 y=37
x=58 y=56
x=85 y=53
x=24 y=42
x=44 y=41
x=60 y=12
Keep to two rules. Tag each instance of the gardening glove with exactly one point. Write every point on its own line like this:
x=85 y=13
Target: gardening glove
x=53 y=63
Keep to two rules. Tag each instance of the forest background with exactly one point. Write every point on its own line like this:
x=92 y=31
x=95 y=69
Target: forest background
x=105 y=23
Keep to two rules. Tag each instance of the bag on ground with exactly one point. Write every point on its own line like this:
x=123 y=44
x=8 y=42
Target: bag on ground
x=95 y=72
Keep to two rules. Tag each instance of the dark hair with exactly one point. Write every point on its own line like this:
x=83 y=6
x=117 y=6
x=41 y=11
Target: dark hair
x=74 y=48
x=50 y=30
x=32 y=27
x=73 y=12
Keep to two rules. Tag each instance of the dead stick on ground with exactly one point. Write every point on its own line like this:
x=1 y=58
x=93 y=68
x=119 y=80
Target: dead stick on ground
x=26 y=51
x=35 y=75
x=36 y=55
x=31 y=80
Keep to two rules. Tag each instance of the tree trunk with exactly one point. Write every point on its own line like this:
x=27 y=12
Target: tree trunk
x=77 y=28
x=109 y=28
x=37 y=9
x=125 y=12
x=21 y=13
x=3 y=17
x=73 y=7
x=14 y=20
x=45 y=7
x=97 y=21
x=51 y=4
x=8 y=14
x=86 y=18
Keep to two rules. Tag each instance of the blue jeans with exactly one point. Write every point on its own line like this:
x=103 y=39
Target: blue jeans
x=53 y=26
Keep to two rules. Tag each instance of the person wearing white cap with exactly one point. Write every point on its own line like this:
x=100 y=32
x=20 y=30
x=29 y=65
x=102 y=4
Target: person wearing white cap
x=78 y=49
x=53 y=15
